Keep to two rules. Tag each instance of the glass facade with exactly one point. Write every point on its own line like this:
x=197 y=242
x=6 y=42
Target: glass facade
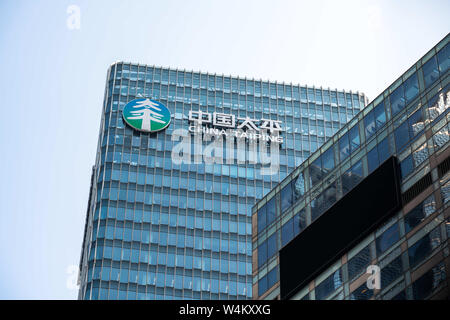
x=410 y=121
x=159 y=230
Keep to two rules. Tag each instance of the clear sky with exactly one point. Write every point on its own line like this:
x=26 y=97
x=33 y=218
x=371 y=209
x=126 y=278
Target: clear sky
x=53 y=78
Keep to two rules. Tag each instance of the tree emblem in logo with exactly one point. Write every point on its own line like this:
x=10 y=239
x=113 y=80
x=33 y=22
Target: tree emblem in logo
x=146 y=115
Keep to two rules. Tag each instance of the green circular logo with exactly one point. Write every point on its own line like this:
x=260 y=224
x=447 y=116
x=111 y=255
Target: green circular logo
x=146 y=115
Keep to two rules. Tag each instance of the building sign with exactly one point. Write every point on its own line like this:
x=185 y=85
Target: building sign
x=146 y=115
x=227 y=125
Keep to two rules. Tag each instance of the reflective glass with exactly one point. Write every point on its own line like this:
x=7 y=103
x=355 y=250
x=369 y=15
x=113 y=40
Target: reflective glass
x=286 y=197
x=362 y=293
x=419 y=213
x=369 y=124
x=352 y=177
x=379 y=115
x=406 y=166
x=344 y=147
x=430 y=71
x=391 y=272
x=411 y=88
x=443 y=57
x=387 y=238
x=397 y=99
x=372 y=159
x=401 y=136
x=329 y=285
x=359 y=262
x=426 y=284
x=422 y=248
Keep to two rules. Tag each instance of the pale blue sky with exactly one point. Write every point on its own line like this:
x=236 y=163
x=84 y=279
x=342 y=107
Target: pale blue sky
x=53 y=79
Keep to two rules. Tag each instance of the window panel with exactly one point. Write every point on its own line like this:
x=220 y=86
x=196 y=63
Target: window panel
x=419 y=213
x=422 y=248
x=361 y=293
x=359 y=262
x=372 y=159
x=379 y=115
x=401 y=136
x=262 y=216
x=391 y=272
x=271 y=210
x=406 y=166
x=397 y=99
x=344 y=147
x=328 y=160
x=272 y=245
x=411 y=88
x=387 y=238
x=286 y=196
x=369 y=125
x=354 y=138
x=287 y=231
x=430 y=71
x=352 y=177
x=426 y=284
x=416 y=123
x=329 y=285
x=383 y=150
x=443 y=57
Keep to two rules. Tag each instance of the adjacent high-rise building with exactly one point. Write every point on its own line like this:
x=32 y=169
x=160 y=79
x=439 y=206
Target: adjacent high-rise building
x=367 y=215
x=160 y=226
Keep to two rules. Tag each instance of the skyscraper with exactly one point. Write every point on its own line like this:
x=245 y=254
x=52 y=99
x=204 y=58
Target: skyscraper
x=159 y=227
x=367 y=215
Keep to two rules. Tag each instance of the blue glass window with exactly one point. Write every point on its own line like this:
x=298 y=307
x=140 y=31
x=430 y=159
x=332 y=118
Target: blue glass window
x=426 y=284
x=271 y=210
x=344 y=147
x=267 y=249
x=272 y=277
x=383 y=150
x=443 y=57
x=387 y=238
x=267 y=281
x=262 y=218
x=299 y=186
x=369 y=124
x=362 y=293
x=401 y=135
x=329 y=285
x=411 y=88
x=262 y=285
x=323 y=201
x=379 y=115
x=430 y=71
x=287 y=231
x=352 y=177
x=416 y=124
x=315 y=171
x=419 y=213
x=397 y=99
x=328 y=160
x=391 y=272
x=422 y=248
x=262 y=253
x=286 y=197
x=406 y=166
x=299 y=222
x=359 y=262
x=272 y=245
x=354 y=138
x=372 y=159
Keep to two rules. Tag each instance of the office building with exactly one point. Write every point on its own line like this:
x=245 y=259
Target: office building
x=366 y=216
x=159 y=229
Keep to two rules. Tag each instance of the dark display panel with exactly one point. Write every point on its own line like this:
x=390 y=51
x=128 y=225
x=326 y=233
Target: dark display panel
x=347 y=222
